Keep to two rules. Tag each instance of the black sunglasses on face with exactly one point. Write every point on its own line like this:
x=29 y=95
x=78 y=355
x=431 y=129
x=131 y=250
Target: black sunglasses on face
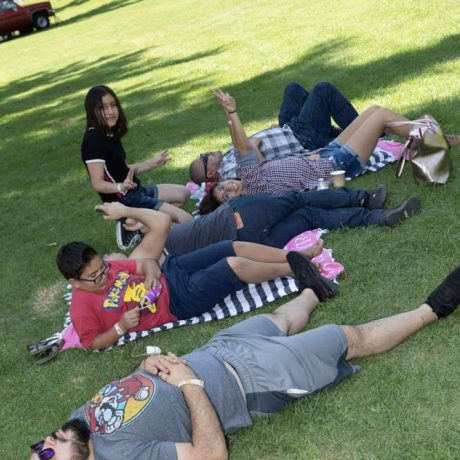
x=96 y=279
x=204 y=159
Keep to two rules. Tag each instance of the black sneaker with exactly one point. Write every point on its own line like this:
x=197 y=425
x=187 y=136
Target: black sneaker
x=377 y=197
x=308 y=276
x=395 y=216
x=445 y=298
x=125 y=238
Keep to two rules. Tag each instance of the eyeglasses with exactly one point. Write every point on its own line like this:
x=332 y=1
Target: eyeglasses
x=97 y=278
x=43 y=454
x=204 y=159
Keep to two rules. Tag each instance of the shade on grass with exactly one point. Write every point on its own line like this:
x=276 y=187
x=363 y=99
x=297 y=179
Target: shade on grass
x=163 y=58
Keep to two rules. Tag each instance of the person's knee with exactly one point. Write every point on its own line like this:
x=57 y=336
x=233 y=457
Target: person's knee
x=293 y=88
x=323 y=86
x=237 y=264
x=183 y=195
x=355 y=338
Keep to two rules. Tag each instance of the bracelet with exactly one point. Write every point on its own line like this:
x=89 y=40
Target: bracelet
x=232 y=112
x=118 y=329
x=196 y=382
x=120 y=189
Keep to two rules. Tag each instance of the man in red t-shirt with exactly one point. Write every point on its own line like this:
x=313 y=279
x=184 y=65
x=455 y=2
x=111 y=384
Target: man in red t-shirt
x=107 y=295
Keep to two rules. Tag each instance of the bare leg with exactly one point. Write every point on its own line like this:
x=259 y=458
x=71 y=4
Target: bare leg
x=261 y=253
x=384 y=334
x=364 y=139
x=174 y=194
x=178 y=215
x=356 y=123
x=252 y=271
x=292 y=317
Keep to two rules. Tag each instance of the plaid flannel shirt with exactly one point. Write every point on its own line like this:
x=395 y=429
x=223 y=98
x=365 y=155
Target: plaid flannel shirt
x=276 y=177
x=276 y=143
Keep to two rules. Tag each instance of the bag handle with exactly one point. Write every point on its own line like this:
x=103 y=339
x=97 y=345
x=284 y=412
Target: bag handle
x=422 y=122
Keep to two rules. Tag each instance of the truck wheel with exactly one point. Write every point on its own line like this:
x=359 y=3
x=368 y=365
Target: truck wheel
x=41 y=21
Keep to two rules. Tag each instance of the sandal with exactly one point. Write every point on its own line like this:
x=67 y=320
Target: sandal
x=50 y=353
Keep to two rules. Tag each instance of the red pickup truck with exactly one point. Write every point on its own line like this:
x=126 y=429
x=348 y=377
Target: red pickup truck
x=23 y=18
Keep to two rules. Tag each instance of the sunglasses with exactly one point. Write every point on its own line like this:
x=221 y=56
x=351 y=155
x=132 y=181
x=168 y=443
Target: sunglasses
x=96 y=279
x=204 y=159
x=43 y=454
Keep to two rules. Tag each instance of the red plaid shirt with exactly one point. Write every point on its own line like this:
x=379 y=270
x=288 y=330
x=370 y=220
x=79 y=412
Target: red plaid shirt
x=276 y=177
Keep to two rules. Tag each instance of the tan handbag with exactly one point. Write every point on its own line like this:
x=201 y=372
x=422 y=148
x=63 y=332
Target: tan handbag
x=426 y=148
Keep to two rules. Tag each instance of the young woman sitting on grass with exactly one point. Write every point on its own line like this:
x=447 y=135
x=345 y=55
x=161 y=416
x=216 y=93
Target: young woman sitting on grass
x=350 y=151
x=105 y=159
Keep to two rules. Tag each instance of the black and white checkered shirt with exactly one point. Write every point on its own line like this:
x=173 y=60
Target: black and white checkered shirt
x=276 y=143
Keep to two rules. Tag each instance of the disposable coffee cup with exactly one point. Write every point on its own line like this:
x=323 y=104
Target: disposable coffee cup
x=338 y=178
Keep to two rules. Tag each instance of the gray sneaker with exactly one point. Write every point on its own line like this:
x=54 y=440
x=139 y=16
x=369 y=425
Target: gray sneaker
x=377 y=197
x=395 y=216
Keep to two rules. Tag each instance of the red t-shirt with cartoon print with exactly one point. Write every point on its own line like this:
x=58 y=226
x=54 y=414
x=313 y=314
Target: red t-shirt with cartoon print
x=93 y=313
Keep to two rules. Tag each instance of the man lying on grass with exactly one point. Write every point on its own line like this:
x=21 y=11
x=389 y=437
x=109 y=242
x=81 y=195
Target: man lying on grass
x=182 y=407
x=304 y=124
x=275 y=220
x=110 y=298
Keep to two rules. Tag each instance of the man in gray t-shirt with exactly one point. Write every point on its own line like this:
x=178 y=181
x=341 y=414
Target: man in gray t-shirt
x=182 y=407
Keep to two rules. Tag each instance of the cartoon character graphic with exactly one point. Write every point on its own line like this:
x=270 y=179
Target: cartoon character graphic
x=119 y=403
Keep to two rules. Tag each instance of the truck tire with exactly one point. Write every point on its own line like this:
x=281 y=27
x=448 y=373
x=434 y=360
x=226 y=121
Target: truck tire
x=41 y=21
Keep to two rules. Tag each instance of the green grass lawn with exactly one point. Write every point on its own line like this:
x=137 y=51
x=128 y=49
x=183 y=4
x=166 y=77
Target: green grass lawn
x=162 y=58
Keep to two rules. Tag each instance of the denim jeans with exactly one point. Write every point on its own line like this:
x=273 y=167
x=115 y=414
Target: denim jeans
x=143 y=197
x=309 y=114
x=200 y=279
x=273 y=221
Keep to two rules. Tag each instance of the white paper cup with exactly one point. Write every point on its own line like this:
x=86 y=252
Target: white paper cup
x=338 y=178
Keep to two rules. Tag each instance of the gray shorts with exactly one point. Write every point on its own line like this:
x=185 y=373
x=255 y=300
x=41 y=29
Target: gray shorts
x=276 y=369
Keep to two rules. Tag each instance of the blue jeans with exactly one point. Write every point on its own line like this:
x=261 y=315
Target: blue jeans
x=200 y=279
x=344 y=158
x=142 y=197
x=274 y=221
x=309 y=114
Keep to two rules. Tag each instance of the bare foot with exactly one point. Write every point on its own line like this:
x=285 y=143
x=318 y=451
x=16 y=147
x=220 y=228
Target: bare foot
x=314 y=250
x=453 y=140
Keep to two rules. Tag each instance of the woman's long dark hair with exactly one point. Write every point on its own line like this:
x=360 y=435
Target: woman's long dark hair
x=95 y=113
x=209 y=202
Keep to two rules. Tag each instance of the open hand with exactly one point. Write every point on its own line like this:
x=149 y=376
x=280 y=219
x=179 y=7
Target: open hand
x=112 y=211
x=160 y=159
x=225 y=100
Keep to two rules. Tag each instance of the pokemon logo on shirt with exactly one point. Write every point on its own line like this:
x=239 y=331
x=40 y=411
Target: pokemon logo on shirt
x=124 y=289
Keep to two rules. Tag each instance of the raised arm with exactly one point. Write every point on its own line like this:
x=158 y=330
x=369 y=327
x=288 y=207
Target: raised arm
x=157 y=223
x=239 y=138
